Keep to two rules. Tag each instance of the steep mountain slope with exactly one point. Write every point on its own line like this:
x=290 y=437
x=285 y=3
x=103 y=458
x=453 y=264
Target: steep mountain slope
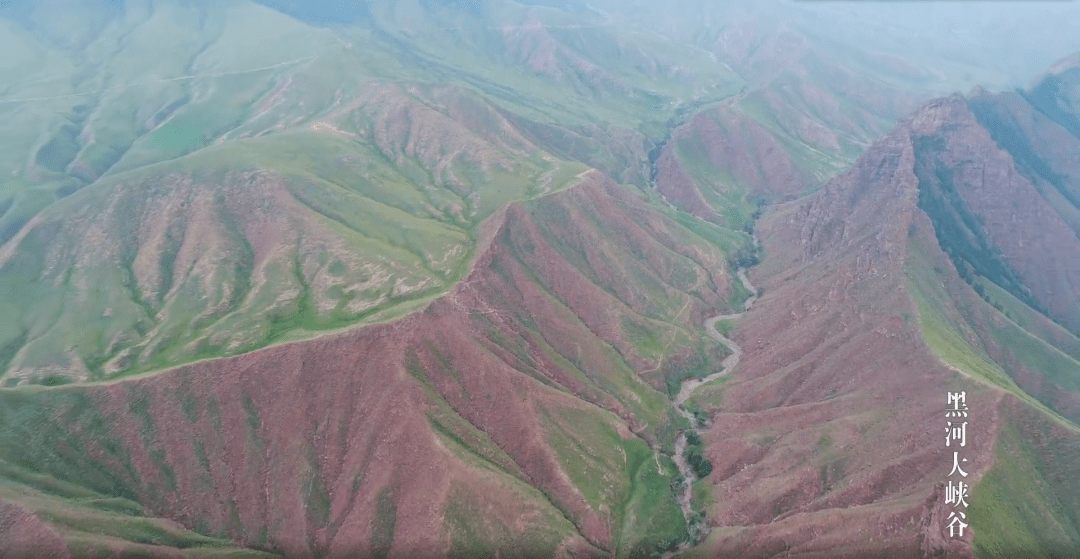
x=823 y=81
x=238 y=245
x=826 y=442
x=807 y=113
x=422 y=278
x=248 y=195
x=453 y=110
x=1040 y=132
x=517 y=392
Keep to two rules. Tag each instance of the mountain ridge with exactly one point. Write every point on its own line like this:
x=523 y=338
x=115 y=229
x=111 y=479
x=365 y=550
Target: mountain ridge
x=428 y=284
x=428 y=350
x=850 y=318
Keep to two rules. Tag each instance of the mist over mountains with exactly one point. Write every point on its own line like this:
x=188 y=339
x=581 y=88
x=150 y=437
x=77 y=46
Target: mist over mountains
x=537 y=279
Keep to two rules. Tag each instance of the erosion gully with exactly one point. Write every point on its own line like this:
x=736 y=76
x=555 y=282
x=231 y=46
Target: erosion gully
x=685 y=392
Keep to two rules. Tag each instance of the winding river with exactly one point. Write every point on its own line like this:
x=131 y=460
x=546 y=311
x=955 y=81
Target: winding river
x=686 y=391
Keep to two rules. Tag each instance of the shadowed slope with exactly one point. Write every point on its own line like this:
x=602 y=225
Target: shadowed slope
x=1039 y=133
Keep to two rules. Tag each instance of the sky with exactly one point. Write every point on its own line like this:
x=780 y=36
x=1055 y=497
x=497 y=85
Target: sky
x=1019 y=38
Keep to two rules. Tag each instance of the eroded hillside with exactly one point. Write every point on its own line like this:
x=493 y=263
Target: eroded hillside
x=518 y=392
x=865 y=323
x=425 y=282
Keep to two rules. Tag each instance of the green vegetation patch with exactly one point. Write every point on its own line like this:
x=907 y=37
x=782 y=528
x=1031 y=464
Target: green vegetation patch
x=652 y=519
x=1030 y=320
x=92 y=522
x=726 y=326
x=477 y=533
x=1037 y=355
x=382 y=526
x=63 y=433
x=617 y=475
x=699 y=364
x=948 y=335
x=1028 y=504
x=709 y=396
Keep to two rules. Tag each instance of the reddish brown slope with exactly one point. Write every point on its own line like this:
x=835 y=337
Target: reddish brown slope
x=25 y=536
x=384 y=440
x=828 y=440
x=1028 y=195
x=724 y=141
x=803 y=119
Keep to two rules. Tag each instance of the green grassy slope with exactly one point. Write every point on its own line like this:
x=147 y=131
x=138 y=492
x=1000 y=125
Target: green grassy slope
x=115 y=444
x=1028 y=502
x=344 y=243
x=1025 y=504
x=266 y=182
x=375 y=179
